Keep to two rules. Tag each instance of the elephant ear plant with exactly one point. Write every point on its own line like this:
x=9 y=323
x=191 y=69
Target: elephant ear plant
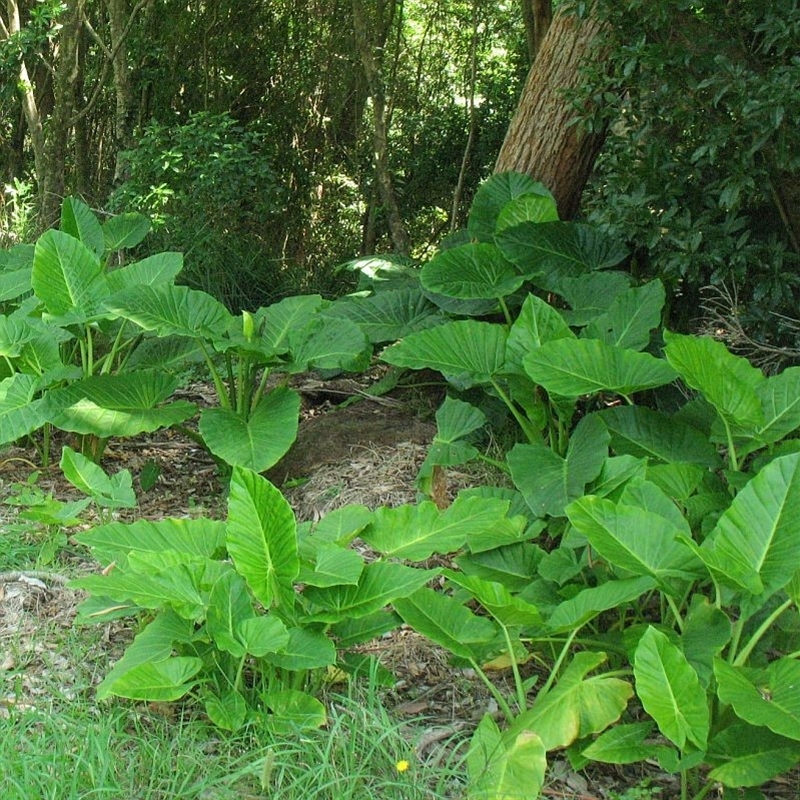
x=256 y=421
x=88 y=346
x=248 y=615
x=672 y=539
x=66 y=357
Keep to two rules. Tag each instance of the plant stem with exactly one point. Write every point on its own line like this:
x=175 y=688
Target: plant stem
x=744 y=654
x=222 y=394
x=259 y=392
x=493 y=690
x=501 y=465
x=731 y=447
x=521 y=700
x=559 y=661
x=675 y=612
x=735 y=637
x=506 y=313
x=527 y=428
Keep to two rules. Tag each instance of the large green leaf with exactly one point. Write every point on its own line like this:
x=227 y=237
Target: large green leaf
x=15 y=333
x=547 y=481
x=304 y=649
x=258 y=442
x=575 y=612
x=508 y=609
x=125 y=231
x=415 y=532
x=330 y=565
x=492 y=197
x=755 y=546
x=15 y=283
x=262 y=537
x=446 y=622
x=634 y=539
x=573 y=367
x=152 y=645
x=505 y=766
x=624 y=744
x=163 y=681
x=670 y=690
x=262 y=635
x=774 y=702
x=229 y=605
x=641 y=431
x=592 y=294
x=20 y=413
x=113 y=542
x=548 y=252
x=67 y=277
x=79 y=221
x=514 y=565
x=280 y=319
x=389 y=315
x=159 y=268
x=172 y=310
x=631 y=317
x=328 y=343
x=466 y=351
x=537 y=323
x=527 y=208
x=227 y=711
x=728 y=382
x=117 y=405
x=294 y=711
x=706 y=632
x=780 y=405
x=381 y=584
x=455 y=420
x=115 y=491
x=471 y=272
x=175 y=586
x=743 y=755
x=578 y=706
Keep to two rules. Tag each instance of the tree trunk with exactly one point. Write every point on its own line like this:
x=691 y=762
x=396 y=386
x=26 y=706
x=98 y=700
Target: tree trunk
x=370 y=41
x=542 y=139
x=30 y=108
x=123 y=116
x=537 y=16
x=67 y=72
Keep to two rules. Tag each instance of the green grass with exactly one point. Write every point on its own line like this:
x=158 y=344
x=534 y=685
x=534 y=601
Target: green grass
x=77 y=750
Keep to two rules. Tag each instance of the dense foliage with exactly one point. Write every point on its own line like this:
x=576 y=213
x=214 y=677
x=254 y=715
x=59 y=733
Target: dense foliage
x=702 y=158
x=643 y=547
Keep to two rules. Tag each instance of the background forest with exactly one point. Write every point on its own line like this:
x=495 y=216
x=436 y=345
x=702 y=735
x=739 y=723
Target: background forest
x=272 y=141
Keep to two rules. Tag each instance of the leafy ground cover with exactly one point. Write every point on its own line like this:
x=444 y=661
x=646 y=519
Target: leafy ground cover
x=53 y=727
x=620 y=583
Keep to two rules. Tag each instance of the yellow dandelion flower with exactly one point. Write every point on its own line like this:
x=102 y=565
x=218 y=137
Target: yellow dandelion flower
x=402 y=766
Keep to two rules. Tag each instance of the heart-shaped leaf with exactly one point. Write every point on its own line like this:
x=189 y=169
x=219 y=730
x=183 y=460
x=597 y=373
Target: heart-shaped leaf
x=258 y=442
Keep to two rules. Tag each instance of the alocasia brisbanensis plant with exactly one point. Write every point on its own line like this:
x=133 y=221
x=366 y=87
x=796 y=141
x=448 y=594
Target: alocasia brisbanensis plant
x=67 y=356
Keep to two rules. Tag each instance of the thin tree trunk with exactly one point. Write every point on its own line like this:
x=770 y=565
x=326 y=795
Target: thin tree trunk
x=369 y=51
x=123 y=117
x=30 y=108
x=472 y=118
x=542 y=139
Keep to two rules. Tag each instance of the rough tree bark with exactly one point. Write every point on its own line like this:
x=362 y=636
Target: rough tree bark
x=541 y=140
